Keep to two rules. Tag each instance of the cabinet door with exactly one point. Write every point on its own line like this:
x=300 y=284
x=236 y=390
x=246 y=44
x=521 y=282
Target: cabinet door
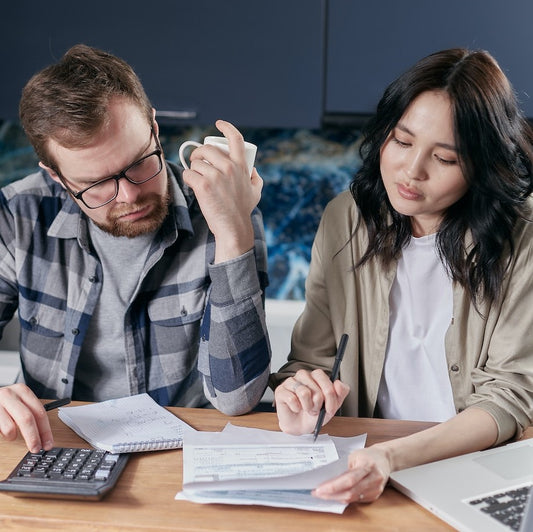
x=254 y=63
x=371 y=43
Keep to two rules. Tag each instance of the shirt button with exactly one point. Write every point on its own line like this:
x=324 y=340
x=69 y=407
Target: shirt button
x=92 y=279
x=455 y=367
x=184 y=311
x=33 y=321
x=64 y=381
x=75 y=331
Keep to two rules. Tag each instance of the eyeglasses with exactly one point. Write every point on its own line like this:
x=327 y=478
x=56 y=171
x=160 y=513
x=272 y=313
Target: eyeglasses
x=106 y=190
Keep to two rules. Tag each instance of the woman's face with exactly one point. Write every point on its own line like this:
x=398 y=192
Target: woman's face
x=419 y=163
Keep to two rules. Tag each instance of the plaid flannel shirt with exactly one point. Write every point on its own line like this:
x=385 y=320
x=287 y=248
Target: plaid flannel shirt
x=194 y=333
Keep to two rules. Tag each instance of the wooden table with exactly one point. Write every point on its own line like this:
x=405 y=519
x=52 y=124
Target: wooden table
x=143 y=498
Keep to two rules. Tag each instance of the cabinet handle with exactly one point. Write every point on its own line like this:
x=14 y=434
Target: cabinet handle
x=178 y=115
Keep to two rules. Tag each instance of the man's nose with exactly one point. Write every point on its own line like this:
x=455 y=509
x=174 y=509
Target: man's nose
x=127 y=192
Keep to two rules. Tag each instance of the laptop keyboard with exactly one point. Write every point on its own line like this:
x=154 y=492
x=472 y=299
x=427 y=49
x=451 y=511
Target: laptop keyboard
x=65 y=472
x=506 y=506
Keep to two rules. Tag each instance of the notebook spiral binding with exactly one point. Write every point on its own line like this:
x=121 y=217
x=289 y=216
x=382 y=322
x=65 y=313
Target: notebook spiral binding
x=147 y=445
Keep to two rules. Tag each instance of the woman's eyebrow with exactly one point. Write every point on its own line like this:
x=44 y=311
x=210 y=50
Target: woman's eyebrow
x=444 y=145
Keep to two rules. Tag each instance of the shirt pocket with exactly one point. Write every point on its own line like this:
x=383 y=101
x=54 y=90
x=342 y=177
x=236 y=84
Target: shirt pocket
x=44 y=320
x=178 y=309
x=175 y=333
x=41 y=328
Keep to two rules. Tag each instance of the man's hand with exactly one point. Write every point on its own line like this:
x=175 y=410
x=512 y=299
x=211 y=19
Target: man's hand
x=21 y=411
x=226 y=193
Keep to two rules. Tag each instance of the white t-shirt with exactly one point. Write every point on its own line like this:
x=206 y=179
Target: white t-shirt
x=415 y=383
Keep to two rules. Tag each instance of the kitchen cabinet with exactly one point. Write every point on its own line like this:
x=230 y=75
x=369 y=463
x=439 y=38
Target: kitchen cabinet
x=265 y=64
x=253 y=63
x=370 y=43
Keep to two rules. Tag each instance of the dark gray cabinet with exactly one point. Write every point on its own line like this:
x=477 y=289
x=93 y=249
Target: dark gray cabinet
x=255 y=63
x=269 y=63
x=370 y=43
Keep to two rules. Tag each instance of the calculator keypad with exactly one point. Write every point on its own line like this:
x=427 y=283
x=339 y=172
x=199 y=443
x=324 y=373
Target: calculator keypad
x=67 y=471
x=68 y=464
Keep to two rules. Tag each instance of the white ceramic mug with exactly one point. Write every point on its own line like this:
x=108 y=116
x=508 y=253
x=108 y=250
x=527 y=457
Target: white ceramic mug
x=222 y=143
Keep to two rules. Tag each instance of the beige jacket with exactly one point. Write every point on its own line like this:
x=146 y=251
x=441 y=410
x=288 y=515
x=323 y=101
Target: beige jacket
x=490 y=360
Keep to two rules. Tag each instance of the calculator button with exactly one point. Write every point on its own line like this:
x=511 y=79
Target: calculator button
x=102 y=474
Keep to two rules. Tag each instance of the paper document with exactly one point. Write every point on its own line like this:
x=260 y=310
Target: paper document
x=252 y=466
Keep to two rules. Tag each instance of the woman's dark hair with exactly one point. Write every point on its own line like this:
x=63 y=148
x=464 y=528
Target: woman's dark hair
x=495 y=147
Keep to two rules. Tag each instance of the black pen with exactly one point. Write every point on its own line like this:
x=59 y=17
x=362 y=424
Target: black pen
x=56 y=404
x=334 y=376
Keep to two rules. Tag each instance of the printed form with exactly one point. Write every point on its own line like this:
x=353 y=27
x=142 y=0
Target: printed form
x=253 y=466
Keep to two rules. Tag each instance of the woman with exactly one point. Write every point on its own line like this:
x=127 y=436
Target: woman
x=425 y=263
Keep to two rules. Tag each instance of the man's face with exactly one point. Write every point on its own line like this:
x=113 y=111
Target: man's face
x=138 y=208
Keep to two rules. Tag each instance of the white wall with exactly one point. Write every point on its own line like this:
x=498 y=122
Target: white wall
x=9 y=356
x=280 y=318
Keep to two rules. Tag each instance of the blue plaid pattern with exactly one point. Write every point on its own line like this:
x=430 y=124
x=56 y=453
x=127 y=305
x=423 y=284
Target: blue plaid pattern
x=195 y=333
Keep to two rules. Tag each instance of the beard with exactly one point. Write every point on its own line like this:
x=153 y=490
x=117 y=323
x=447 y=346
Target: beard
x=116 y=226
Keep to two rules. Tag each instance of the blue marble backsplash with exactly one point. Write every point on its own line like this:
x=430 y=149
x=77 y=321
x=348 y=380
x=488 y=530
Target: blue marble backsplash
x=302 y=170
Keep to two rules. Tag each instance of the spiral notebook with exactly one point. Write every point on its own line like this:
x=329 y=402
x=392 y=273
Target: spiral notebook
x=129 y=424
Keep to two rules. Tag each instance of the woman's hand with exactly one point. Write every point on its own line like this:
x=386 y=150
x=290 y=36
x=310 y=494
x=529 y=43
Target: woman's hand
x=299 y=399
x=369 y=469
x=368 y=472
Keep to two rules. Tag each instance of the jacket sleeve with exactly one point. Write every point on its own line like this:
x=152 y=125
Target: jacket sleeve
x=503 y=377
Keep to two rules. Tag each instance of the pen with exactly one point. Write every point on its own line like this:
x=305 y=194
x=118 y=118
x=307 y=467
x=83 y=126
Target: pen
x=56 y=404
x=334 y=376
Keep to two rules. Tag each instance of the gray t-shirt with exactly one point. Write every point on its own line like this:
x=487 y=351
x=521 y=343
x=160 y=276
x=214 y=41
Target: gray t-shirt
x=101 y=371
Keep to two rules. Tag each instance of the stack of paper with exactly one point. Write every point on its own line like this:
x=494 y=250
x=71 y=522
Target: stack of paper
x=252 y=466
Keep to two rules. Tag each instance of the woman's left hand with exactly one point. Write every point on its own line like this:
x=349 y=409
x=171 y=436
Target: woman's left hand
x=368 y=472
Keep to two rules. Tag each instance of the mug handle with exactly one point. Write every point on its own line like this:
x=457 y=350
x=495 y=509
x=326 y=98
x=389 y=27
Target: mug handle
x=182 y=148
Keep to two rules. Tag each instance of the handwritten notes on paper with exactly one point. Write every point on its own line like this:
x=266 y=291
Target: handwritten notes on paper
x=129 y=424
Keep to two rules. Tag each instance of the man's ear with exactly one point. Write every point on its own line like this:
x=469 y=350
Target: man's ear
x=52 y=173
x=155 y=124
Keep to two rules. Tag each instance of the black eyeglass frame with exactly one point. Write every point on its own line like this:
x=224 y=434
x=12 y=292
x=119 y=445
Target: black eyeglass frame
x=122 y=174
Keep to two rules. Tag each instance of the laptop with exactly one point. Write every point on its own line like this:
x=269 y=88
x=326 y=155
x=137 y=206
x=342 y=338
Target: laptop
x=485 y=491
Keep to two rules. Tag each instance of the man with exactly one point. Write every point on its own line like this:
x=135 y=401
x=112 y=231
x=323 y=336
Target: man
x=128 y=276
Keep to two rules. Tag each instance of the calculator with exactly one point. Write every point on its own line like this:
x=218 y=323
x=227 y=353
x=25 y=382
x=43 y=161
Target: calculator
x=65 y=473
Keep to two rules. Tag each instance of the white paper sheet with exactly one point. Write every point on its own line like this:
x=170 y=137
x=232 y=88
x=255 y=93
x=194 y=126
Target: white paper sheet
x=253 y=466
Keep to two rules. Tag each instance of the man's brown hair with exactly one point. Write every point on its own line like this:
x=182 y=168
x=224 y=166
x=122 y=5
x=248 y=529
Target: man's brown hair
x=68 y=101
